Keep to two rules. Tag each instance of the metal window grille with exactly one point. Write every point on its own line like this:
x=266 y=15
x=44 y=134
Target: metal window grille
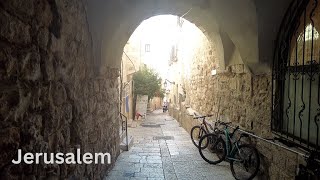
x=296 y=76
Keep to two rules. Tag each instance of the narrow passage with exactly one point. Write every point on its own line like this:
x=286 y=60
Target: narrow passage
x=163 y=150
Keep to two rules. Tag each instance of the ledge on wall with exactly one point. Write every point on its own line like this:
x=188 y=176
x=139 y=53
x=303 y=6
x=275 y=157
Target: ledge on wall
x=235 y=68
x=191 y=112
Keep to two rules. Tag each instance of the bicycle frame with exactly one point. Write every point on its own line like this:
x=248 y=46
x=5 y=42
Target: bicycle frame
x=204 y=126
x=234 y=145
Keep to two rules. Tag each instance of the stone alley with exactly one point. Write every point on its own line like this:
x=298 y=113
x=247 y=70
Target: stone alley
x=75 y=73
x=163 y=150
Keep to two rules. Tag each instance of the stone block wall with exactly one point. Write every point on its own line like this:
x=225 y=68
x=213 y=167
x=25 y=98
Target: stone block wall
x=185 y=120
x=245 y=100
x=51 y=98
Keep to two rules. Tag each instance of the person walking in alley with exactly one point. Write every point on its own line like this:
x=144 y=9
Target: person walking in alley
x=165 y=106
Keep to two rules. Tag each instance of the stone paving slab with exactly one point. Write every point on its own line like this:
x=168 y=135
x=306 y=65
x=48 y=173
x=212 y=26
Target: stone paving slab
x=154 y=158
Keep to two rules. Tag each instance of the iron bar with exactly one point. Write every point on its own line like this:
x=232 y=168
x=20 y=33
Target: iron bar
x=185 y=13
x=295 y=87
x=126 y=130
x=311 y=69
x=316 y=118
x=295 y=116
x=135 y=70
x=271 y=142
x=289 y=103
x=303 y=107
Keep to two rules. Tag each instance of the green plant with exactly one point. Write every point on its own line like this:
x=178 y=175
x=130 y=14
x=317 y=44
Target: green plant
x=147 y=82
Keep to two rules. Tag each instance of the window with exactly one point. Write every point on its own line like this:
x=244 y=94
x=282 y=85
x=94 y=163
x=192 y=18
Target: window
x=296 y=76
x=147 y=48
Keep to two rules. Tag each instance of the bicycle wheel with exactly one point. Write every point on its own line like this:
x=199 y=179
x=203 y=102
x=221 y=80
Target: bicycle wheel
x=245 y=163
x=215 y=149
x=196 y=134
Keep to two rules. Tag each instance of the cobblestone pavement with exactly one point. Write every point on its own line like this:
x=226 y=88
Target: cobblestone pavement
x=163 y=150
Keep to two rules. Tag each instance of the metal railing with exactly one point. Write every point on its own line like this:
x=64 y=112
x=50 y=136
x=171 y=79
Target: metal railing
x=306 y=155
x=124 y=129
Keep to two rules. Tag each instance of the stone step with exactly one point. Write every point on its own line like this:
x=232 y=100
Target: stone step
x=122 y=136
x=124 y=146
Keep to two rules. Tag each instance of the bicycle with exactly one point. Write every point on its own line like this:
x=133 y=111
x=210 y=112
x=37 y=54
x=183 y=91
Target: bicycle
x=243 y=158
x=312 y=168
x=197 y=132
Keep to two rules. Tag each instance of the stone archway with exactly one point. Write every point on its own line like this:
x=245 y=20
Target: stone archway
x=111 y=32
x=51 y=96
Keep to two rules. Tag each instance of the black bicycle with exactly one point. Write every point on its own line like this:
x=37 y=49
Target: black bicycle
x=244 y=158
x=311 y=170
x=197 y=132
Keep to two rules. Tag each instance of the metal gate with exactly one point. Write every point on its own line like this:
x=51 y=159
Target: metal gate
x=296 y=76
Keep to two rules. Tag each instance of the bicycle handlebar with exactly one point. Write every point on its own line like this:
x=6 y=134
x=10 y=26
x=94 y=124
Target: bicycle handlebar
x=197 y=117
x=224 y=123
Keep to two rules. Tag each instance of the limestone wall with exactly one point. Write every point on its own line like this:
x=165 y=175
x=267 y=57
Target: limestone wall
x=245 y=100
x=51 y=100
x=155 y=103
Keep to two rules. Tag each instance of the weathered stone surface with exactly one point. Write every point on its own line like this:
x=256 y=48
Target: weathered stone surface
x=48 y=100
x=245 y=100
x=9 y=143
x=30 y=65
x=13 y=30
x=22 y=9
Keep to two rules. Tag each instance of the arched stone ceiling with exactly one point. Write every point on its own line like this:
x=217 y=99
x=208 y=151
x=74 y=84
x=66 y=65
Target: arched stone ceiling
x=112 y=23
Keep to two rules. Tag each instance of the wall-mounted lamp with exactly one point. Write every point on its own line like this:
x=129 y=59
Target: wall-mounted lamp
x=165 y=82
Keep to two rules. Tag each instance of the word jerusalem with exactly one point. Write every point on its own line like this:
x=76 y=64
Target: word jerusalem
x=61 y=158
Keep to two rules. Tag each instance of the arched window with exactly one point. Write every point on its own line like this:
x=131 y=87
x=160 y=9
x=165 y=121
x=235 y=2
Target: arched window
x=296 y=76
x=302 y=44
